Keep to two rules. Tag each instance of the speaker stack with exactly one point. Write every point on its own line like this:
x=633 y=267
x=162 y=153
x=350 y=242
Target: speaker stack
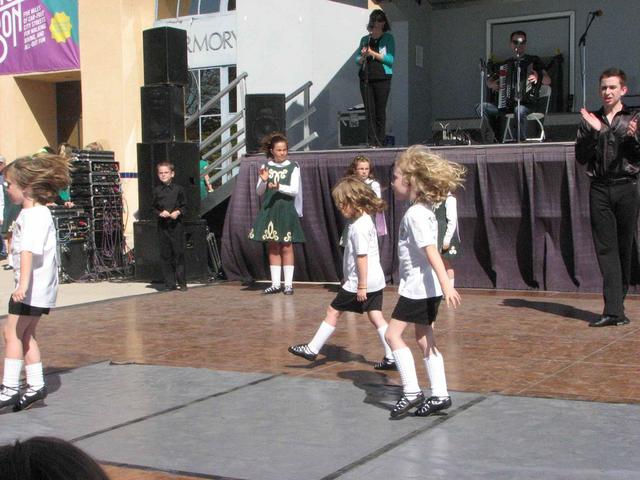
x=96 y=188
x=163 y=139
x=265 y=114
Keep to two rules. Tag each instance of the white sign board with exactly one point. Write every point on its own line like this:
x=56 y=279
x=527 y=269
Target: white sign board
x=211 y=39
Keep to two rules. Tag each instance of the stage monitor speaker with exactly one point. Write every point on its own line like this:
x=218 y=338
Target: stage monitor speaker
x=147 y=252
x=561 y=127
x=185 y=156
x=462 y=131
x=165 y=56
x=265 y=114
x=352 y=128
x=162 y=113
x=74 y=259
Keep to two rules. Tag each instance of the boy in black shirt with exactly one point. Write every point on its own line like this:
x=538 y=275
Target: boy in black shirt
x=609 y=145
x=169 y=203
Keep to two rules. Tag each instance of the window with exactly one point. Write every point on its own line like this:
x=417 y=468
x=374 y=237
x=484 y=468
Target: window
x=183 y=8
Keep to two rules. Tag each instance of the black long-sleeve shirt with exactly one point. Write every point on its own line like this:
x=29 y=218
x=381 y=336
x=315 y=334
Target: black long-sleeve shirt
x=169 y=197
x=609 y=153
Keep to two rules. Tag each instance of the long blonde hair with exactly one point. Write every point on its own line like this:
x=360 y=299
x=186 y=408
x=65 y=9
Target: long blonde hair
x=431 y=176
x=43 y=174
x=353 y=192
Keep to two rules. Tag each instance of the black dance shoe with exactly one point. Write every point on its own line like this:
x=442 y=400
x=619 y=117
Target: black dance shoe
x=432 y=405
x=403 y=406
x=303 y=351
x=385 y=364
x=610 y=320
x=12 y=393
x=29 y=397
x=271 y=290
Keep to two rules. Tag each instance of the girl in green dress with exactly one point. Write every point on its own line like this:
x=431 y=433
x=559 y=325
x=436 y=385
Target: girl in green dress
x=278 y=221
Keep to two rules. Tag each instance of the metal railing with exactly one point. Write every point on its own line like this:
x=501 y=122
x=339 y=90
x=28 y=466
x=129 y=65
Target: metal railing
x=307 y=111
x=223 y=168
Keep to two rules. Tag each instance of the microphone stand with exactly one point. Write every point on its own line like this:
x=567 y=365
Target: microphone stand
x=518 y=91
x=582 y=43
x=482 y=75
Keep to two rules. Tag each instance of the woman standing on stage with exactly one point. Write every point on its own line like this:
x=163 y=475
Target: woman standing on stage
x=375 y=58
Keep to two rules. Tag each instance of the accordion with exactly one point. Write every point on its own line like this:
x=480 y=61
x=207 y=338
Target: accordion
x=508 y=85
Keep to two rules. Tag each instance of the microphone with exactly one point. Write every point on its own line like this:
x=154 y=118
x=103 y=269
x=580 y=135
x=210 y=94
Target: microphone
x=597 y=13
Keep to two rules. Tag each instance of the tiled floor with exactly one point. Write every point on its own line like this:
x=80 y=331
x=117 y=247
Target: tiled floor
x=513 y=343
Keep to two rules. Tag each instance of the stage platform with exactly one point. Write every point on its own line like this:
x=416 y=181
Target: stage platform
x=523 y=217
x=199 y=384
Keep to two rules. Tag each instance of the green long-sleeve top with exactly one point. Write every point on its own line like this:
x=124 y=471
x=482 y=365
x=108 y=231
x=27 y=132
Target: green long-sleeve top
x=387 y=47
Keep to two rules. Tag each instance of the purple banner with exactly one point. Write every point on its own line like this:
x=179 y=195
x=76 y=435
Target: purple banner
x=38 y=36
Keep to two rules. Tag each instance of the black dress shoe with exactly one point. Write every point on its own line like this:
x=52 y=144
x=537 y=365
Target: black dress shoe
x=609 y=320
x=432 y=405
x=12 y=395
x=303 y=351
x=385 y=364
x=29 y=397
x=182 y=288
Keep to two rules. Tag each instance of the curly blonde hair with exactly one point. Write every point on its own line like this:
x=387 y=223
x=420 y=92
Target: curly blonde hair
x=353 y=192
x=431 y=176
x=44 y=175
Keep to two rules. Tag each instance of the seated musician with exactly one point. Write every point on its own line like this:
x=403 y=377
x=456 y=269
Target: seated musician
x=531 y=67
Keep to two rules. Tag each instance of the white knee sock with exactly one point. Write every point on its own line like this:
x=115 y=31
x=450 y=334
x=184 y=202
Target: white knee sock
x=35 y=378
x=407 y=369
x=320 y=338
x=437 y=378
x=11 y=377
x=275 y=275
x=387 y=350
x=288 y=275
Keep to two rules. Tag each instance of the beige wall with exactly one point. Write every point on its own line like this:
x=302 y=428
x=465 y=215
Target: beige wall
x=112 y=74
x=28 y=116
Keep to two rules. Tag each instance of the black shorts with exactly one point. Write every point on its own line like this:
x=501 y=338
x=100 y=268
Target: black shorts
x=19 y=308
x=347 y=302
x=422 y=311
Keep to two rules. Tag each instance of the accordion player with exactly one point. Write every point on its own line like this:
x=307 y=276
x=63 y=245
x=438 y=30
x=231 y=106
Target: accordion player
x=508 y=87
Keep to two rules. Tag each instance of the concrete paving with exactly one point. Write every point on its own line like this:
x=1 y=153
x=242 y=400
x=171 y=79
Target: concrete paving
x=232 y=425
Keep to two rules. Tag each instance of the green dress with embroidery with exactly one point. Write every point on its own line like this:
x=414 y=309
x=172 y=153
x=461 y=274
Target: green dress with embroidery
x=278 y=219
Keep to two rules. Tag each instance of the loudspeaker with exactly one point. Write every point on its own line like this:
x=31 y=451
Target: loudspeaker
x=165 y=56
x=185 y=156
x=74 y=259
x=561 y=127
x=147 y=253
x=265 y=114
x=162 y=113
x=462 y=131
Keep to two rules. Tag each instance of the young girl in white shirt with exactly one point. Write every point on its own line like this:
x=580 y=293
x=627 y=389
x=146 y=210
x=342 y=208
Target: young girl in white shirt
x=448 y=236
x=362 y=168
x=31 y=182
x=363 y=276
x=425 y=179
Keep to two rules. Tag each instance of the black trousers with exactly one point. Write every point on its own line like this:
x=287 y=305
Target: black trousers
x=614 y=217
x=374 y=96
x=172 y=247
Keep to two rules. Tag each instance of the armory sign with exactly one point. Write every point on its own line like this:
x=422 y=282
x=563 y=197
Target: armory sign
x=211 y=39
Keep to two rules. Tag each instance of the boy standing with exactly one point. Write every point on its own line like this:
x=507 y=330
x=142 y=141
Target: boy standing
x=609 y=145
x=169 y=203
